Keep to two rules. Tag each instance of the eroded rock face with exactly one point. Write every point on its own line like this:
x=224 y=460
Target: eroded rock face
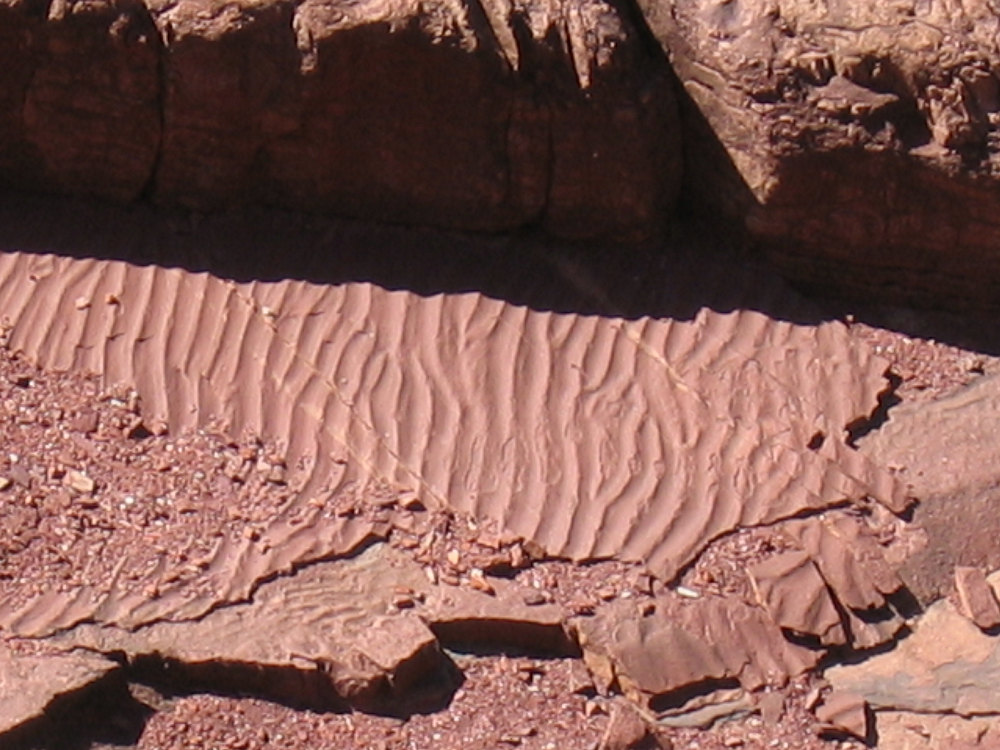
x=487 y=117
x=860 y=139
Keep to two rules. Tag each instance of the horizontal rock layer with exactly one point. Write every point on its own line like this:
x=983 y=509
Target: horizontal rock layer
x=484 y=117
x=859 y=140
x=642 y=436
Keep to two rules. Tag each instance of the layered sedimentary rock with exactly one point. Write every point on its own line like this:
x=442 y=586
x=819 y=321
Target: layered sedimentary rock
x=859 y=139
x=485 y=117
x=642 y=436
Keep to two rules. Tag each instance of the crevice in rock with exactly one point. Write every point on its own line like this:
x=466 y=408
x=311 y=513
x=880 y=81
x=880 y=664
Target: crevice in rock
x=147 y=192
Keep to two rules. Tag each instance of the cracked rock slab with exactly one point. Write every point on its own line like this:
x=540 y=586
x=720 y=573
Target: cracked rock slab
x=947 y=452
x=859 y=141
x=947 y=665
x=29 y=683
x=654 y=655
x=333 y=633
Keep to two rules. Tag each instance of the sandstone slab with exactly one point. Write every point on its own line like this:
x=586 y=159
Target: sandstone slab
x=947 y=665
x=947 y=452
x=858 y=140
x=682 y=645
x=335 y=633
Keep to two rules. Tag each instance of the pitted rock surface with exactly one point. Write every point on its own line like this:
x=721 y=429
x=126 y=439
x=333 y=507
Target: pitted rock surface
x=947 y=453
x=858 y=140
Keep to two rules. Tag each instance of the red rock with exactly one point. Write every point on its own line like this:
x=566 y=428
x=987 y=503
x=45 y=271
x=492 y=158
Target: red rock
x=80 y=97
x=627 y=731
x=791 y=589
x=387 y=111
x=858 y=139
x=977 y=599
x=845 y=712
x=29 y=682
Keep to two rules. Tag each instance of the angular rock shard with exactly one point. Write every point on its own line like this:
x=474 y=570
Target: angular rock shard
x=859 y=139
x=845 y=713
x=792 y=591
x=977 y=599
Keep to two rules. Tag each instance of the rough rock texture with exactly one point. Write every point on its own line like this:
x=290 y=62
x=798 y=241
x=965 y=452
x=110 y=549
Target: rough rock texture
x=679 y=645
x=845 y=713
x=481 y=116
x=341 y=632
x=947 y=451
x=860 y=139
x=947 y=665
x=906 y=730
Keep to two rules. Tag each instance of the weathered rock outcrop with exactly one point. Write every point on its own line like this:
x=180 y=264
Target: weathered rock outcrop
x=485 y=117
x=860 y=139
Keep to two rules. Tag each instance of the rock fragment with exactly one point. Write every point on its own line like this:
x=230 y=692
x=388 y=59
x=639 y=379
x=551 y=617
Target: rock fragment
x=946 y=664
x=845 y=712
x=627 y=731
x=708 y=642
x=977 y=599
x=791 y=589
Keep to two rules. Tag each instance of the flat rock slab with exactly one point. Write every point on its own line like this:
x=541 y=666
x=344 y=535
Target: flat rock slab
x=858 y=139
x=29 y=683
x=903 y=730
x=597 y=420
x=712 y=642
x=948 y=452
x=947 y=665
x=333 y=634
